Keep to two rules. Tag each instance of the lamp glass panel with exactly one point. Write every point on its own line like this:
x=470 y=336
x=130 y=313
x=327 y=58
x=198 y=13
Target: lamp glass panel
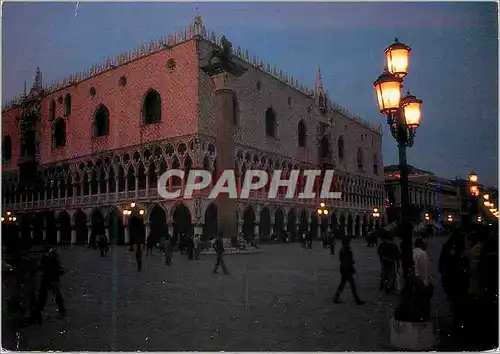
x=391 y=94
x=412 y=114
x=398 y=60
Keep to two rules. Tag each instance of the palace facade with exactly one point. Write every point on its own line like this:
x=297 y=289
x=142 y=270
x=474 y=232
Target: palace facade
x=83 y=155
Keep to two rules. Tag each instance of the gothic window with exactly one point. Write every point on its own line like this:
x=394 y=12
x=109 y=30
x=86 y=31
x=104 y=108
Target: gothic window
x=360 y=159
x=151 y=108
x=52 y=110
x=270 y=123
x=60 y=133
x=101 y=121
x=324 y=150
x=341 y=148
x=7 y=148
x=67 y=105
x=375 y=165
x=301 y=130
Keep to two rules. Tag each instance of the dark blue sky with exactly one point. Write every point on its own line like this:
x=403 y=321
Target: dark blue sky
x=454 y=64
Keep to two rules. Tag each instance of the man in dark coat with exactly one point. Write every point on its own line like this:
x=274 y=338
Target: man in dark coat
x=347 y=272
x=102 y=243
x=219 y=249
x=331 y=242
x=52 y=270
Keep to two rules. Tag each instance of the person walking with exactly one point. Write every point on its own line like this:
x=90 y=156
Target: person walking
x=161 y=245
x=423 y=277
x=389 y=256
x=309 y=239
x=331 y=242
x=138 y=256
x=219 y=249
x=102 y=243
x=168 y=247
x=52 y=269
x=347 y=272
x=149 y=245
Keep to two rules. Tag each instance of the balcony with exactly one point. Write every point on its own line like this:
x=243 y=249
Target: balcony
x=151 y=196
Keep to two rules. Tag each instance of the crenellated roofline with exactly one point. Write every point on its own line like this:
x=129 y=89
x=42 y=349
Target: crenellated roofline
x=195 y=30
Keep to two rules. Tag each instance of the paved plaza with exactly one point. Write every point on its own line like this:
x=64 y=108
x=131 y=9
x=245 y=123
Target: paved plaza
x=279 y=300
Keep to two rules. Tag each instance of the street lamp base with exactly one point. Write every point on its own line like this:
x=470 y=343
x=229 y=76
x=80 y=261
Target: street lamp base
x=418 y=336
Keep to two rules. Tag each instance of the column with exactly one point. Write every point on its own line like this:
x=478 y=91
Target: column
x=198 y=229
x=73 y=234
x=44 y=233
x=107 y=234
x=240 y=226
x=170 y=226
x=147 y=180
x=89 y=232
x=107 y=187
x=58 y=234
x=32 y=232
x=256 y=231
x=117 y=188
x=223 y=75
x=147 y=226
x=98 y=177
x=136 y=176
x=74 y=192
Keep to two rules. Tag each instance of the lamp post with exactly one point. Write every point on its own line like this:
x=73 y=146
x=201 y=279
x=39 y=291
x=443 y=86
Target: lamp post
x=126 y=213
x=376 y=216
x=403 y=117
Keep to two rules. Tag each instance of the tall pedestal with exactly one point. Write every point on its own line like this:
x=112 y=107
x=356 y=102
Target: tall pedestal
x=224 y=102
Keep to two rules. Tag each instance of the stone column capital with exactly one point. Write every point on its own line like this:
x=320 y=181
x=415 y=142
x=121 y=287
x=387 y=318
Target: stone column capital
x=224 y=81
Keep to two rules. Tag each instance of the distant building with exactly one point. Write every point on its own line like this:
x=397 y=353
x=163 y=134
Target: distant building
x=78 y=154
x=436 y=196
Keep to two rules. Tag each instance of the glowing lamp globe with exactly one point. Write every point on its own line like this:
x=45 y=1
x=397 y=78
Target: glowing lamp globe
x=412 y=109
x=388 y=90
x=398 y=58
x=473 y=177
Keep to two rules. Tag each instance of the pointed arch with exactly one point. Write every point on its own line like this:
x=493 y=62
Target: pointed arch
x=151 y=107
x=324 y=149
x=360 y=159
x=52 y=110
x=7 y=148
x=340 y=147
x=101 y=121
x=270 y=123
x=67 y=105
x=131 y=178
x=301 y=132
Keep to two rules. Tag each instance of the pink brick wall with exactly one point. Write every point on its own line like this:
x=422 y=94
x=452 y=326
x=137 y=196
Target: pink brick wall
x=178 y=90
x=10 y=127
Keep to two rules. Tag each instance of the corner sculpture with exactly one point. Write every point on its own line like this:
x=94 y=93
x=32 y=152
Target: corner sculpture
x=221 y=60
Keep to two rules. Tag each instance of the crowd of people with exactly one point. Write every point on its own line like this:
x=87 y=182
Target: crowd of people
x=468 y=269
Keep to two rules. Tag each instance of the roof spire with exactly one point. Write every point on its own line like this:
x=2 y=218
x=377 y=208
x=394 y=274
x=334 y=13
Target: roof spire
x=319 y=79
